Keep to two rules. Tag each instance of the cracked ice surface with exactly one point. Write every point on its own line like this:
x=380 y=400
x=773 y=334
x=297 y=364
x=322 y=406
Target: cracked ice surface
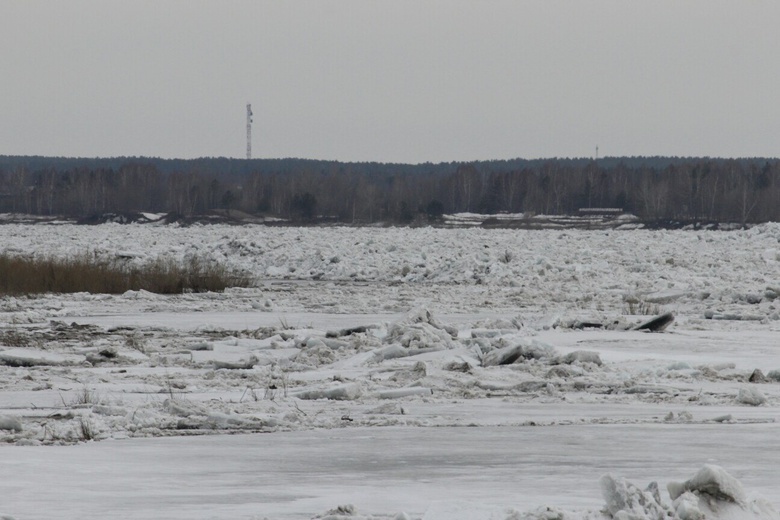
x=422 y=372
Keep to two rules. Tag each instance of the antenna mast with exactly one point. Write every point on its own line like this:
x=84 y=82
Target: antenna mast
x=248 y=130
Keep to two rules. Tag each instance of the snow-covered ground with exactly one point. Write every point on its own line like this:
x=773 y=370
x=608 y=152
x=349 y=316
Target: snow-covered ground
x=399 y=373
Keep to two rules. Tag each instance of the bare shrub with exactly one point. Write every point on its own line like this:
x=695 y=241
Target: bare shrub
x=85 y=396
x=85 y=430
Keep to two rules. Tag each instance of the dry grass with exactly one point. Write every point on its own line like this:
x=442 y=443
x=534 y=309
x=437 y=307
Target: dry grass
x=641 y=308
x=85 y=431
x=84 y=273
x=84 y=397
x=15 y=338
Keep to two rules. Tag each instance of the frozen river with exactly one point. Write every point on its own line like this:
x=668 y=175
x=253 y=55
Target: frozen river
x=445 y=374
x=417 y=470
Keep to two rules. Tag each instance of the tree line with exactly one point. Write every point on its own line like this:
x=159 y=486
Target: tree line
x=653 y=188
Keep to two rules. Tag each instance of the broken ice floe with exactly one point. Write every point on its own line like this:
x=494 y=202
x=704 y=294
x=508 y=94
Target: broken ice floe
x=579 y=356
x=340 y=392
x=751 y=396
x=421 y=332
x=30 y=357
x=261 y=377
x=711 y=493
x=526 y=349
x=10 y=423
x=712 y=482
x=625 y=501
x=404 y=392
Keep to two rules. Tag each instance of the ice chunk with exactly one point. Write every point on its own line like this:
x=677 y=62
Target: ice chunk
x=686 y=506
x=751 y=396
x=527 y=349
x=579 y=356
x=235 y=365
x=10 y=423
x=390 y=352
x=423 y=315
x=419 y=336
x=347 y=392
x=30 y=357
x=141 y=294
x=347 y=332
x=183 y=408
x=396 y=393
x=713 y=481
x=649 y=389
x=626 y=501
x=503 y=356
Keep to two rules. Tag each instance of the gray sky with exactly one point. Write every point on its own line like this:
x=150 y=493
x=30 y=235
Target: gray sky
x=391 y=80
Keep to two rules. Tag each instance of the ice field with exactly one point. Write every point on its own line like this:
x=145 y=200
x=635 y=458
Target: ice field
x=395 y=373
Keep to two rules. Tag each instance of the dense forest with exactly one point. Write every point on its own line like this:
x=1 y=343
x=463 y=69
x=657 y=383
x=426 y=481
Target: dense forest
x=653 y=188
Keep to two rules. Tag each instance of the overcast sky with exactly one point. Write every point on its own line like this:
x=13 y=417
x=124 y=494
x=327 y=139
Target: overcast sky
x=391 y=80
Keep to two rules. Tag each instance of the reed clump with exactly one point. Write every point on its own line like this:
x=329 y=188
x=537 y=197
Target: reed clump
x=86 y=273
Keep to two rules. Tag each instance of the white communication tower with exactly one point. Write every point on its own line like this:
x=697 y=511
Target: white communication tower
x=248 y=131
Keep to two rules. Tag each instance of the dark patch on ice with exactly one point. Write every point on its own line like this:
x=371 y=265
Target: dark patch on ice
x=657 y=324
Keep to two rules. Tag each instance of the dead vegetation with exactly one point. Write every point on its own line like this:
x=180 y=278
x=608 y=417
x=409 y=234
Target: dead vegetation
x=634 y=306
x=87 y=273
x=17 y=338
